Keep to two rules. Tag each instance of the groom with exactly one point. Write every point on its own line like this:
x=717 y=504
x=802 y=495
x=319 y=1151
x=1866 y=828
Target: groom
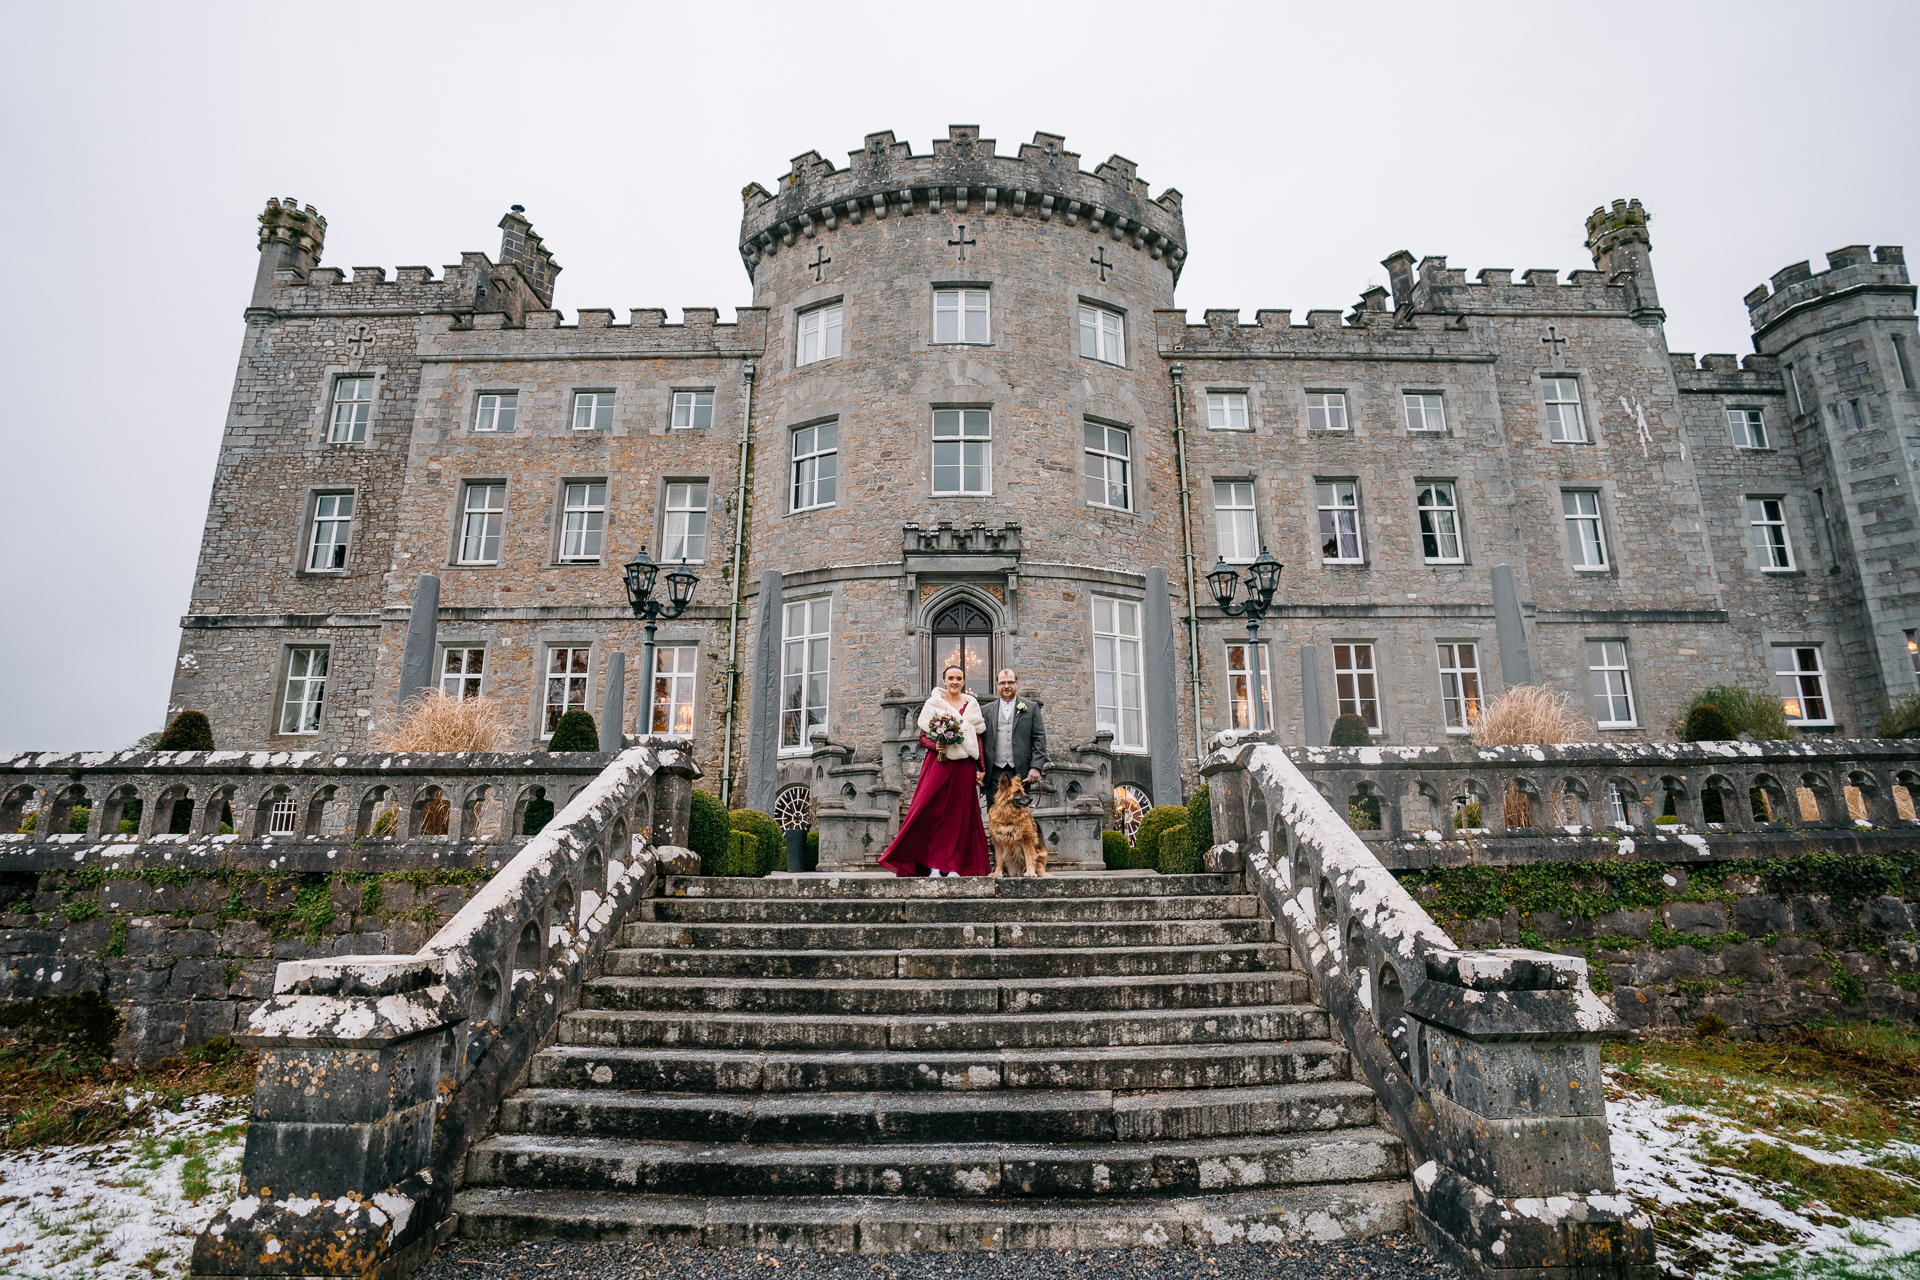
x=1015 y=743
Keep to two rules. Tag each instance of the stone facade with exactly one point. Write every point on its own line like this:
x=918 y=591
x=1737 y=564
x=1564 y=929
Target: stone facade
x=1681 y=587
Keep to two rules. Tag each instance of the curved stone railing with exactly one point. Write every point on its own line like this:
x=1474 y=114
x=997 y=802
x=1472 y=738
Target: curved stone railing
x=378 y=1072
x=1485 y=1062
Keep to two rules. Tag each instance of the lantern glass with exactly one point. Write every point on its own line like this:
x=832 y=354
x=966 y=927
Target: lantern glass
x=1266 y=574
x=640 y=572
x=680 y=585
x=1224 y=581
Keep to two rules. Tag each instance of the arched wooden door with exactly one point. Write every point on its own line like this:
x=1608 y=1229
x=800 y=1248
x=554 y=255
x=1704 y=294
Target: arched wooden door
x=963 y=634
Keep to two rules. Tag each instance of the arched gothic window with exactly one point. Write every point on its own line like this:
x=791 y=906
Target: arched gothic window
x=963 y=634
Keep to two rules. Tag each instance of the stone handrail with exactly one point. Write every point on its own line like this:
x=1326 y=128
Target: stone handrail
x=1486 y=1063
x=378 y=1072
x=1805 y=785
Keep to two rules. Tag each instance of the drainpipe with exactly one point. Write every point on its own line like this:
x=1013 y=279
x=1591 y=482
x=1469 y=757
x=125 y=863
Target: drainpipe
x=1178 y=372
x=747 y=371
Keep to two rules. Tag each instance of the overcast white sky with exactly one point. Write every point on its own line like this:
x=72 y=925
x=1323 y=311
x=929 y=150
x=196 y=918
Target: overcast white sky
x=140 y=141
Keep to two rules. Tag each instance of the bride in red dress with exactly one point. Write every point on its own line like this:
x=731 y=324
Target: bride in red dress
x=942 y=834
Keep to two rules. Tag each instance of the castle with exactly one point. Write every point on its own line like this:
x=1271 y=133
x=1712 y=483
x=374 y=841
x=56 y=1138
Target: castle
x=962 y=416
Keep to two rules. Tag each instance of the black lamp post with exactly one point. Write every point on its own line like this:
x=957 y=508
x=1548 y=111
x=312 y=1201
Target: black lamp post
x=640 y=574
x=1263 y=579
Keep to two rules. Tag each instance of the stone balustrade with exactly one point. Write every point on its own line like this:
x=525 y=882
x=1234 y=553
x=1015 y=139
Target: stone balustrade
x=1486 y=1063
x=378 y=1072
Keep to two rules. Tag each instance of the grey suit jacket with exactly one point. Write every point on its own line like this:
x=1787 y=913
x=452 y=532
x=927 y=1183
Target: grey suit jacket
x=1029 y=737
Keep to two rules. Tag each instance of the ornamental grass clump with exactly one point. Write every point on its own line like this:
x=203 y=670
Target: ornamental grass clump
x=436 y=721
x=1529 y=715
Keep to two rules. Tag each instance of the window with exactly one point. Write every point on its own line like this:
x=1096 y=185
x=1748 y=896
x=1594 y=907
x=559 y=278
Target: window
x=1117 y=705
x=1424 y=412
x=1749 y=430
x=673 y=667
x=1767 y=518
x=1793 y=385
x=1355 y=690
x=1439 y=523
x=692 y=410
x=583 y=521
x=283 y=818
x=352 y=407
x=1564 y=420
x=486 y=510
x=593 y=411
x=960 y=315
x=1459 y=687
x=962 y=451
x=819 y=334
x=498 y=409
x=1109 y=466
x=1239 y=689
x=332 y=519
x=1612 y=694
x=1103 y=335
x=1226 y=411
x=306 y=691
x=1617 y=800
x=1339 y=522
x=1913 y=651
x=816 y=465
x=1233 y=516
x=685 y=534
x=567 y=669
x=1900 y=358
x=1802 y=682
x=1859 y=419
x=1326 y=411
x=461 y=671
x=803 y=672
x=1585 y=541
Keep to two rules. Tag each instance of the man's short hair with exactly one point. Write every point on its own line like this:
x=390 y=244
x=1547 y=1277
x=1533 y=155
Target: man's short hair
x=1006 y=671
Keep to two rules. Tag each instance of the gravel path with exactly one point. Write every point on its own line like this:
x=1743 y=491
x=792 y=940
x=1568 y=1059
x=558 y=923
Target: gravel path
x=1396 y=1257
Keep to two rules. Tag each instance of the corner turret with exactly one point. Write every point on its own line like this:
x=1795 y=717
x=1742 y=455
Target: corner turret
x=1617 y=238
x=520 y=245
x=290 y=240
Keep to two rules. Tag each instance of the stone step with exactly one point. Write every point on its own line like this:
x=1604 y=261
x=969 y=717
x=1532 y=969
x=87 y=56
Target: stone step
x=983 y=964
x=900 y=937
x=539 y=1162
x=1218 y=906
x=898 y=1224
x=1002 y=1115
x=1183 y=1066
x=944 y=997
x=635 y=1029
x=840 y=888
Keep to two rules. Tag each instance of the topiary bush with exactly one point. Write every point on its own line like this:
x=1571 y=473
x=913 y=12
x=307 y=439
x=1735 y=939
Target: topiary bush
x=539 y=813
x=773 y=841
x=707 y=829
x=1200 y=821
x=1902 y=721
x=1706 y=724
x=813 y=851
x=1176 y=856
x=1350 y=731
x=1748 y=713
x=575 y=732
x=1115 y=851
x=188 y=732
x=1146 y=843
x=740 y=856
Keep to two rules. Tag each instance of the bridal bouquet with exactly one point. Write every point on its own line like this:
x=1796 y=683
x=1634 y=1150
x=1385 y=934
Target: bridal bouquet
x=944 y=731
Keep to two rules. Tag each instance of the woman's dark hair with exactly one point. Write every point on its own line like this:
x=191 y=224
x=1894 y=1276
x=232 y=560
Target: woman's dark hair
x=952 y=666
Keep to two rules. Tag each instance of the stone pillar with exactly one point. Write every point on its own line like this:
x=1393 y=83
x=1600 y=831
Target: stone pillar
x=1516 y=663
x=416 y=661
x=1313 y=716
x=613 y=707
x=763 y=710
x=337 y=1177
x=1521 y=1179
x=1163 y=678
x=851 y=807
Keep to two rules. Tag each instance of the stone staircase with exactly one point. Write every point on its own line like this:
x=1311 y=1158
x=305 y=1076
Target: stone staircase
x=861 y=1063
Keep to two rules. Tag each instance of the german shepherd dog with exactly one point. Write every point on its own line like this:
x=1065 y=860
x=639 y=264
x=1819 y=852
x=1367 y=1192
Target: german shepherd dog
x=1017 y=850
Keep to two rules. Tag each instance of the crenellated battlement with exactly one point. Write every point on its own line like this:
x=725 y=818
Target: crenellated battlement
x=285 y=222
x=597 y=334
x=1370 y=332
x=1716 y=373
x=963 y=174
x=1849 y=270
x=1445 y=290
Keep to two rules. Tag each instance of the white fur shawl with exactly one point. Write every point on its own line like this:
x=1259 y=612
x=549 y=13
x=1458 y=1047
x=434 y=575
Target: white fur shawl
x=972 y=723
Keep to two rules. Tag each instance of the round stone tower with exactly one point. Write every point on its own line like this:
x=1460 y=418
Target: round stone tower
x=961 y=433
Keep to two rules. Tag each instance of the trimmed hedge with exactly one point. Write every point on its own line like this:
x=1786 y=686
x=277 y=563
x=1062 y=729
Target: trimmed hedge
x=575 y=732
x=188 y=732
x=707 y=830
x=1157 y=821
x=1350 y=731
x=772 y=840
x=813 y=851
x=1176 y=853
x=740 y=858
x=1115 y=851
x=1200 y=821
x=1706 y=724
